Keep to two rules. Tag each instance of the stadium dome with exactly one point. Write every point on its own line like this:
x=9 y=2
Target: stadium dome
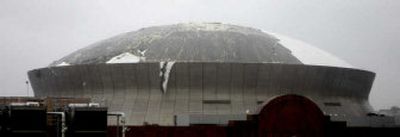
x=204 y=73
x=201 y=42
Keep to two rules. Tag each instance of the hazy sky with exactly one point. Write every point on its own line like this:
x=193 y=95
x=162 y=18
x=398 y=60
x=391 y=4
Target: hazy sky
x=365 y=33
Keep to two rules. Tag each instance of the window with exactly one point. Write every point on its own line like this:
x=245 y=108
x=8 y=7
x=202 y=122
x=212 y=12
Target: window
x=216 y=102
x=332 y=104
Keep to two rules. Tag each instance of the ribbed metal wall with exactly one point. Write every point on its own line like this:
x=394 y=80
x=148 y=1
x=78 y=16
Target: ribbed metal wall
x=203 y=89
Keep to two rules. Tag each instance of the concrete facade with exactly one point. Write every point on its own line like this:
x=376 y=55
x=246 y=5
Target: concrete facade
x=207 y=90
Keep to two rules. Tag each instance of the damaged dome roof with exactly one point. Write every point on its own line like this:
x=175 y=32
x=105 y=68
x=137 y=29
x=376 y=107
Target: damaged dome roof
x=200 y=42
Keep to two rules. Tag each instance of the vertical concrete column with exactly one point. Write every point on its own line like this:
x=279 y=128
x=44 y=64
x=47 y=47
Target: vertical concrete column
x=250 y=74
x=155 y=93
x=196 y=88
x=107 y=83
x=237 y=89
x=209 y=87
x=182 y=89
x=224 y=79
x=130 y=80
x=143 y=96
x=97 y=84
x=263 y=88
x=118 y=78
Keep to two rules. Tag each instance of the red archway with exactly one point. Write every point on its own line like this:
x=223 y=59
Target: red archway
x=291 y=116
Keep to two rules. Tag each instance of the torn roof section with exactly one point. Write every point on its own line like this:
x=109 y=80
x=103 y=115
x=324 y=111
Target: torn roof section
x=310 y=55
x=124 y=58
x=201 y=42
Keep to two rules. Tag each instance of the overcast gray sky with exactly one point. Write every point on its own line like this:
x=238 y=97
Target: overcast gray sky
x=365 y=33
